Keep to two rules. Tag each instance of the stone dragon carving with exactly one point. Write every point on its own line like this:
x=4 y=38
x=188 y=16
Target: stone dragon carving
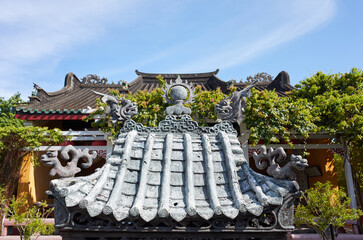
x=94 y=79
x=118 y=109
x=278 y=156
x=262 y=77
x=232 y=108
x=72 y=156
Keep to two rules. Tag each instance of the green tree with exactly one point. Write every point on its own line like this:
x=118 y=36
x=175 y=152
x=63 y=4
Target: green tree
x=16 y=141
x=28 y=222
x=151 y=108
x=337 y=107
x=323 y=205
x=273 y=118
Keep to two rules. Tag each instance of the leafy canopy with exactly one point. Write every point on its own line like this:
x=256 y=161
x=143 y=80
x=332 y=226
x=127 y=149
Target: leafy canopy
x=322 y=102
x=7 y=111
x=151 y=108
x=16 y=141
x=337 y=101
x=337 y=107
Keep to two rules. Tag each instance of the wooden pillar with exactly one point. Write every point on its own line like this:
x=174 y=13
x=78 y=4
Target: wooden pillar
x=26 y=186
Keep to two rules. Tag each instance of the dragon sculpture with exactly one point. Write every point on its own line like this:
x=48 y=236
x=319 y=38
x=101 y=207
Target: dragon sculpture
x=232 y=108
x=72 y=156
x=278 y=156
x=118 y=109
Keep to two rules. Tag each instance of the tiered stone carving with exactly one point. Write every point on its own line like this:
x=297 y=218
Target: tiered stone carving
x=177 y=177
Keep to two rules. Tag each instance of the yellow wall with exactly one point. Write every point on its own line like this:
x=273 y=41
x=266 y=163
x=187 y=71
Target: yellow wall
x=34 y=181
x=323 y=158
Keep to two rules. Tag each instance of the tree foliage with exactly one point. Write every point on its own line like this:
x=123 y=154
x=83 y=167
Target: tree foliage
x=337 y=101
x=29 y=221
x=16 y=141
x=323 y=205
x=337 y=108
x=7 y=111
x=322 y=102
x=273 y=118
x=151 y=108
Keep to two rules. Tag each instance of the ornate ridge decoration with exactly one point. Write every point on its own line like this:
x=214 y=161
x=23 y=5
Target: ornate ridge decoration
x=232 y=108
x=95 y=79
x=175 y=125
x=278 y=156
x=261 y=77
x=174 y=177
x=178 y=91
x=118 y=109
x=72 y=156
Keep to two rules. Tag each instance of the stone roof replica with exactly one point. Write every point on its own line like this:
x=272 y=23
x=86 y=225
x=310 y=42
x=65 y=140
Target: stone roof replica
x=173 y=180
x=77 y=96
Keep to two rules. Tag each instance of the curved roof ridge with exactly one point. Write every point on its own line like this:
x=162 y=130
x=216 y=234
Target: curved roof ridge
x=69 y=82
x=205 y=74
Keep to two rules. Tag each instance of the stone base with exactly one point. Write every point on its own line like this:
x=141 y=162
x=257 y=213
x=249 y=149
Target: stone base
x=86 y=235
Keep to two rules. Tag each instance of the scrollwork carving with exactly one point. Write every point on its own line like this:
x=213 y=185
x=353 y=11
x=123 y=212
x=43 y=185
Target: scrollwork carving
x=278 y=156
x=72 y=156
x=183 y=124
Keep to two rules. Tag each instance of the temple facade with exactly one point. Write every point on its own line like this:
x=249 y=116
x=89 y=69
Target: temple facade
x=66 y=108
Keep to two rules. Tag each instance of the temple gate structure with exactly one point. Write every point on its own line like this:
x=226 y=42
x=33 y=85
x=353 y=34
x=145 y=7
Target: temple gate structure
x=65 y=109
x=175 y=181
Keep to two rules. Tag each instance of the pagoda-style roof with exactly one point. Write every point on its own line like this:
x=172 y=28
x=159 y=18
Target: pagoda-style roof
x=176 y=171
x=73 y=100
x=281 y=83
x=208 y=81
x=174 y=177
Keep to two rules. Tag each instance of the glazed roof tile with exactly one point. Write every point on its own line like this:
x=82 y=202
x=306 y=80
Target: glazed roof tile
x=177 y=170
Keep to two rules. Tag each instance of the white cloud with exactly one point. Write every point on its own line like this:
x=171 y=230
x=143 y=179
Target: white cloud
x=34 y=31
x=297 y=18
x=37 y=35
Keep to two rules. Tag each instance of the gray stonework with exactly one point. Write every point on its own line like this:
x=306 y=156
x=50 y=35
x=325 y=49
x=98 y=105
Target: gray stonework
x=175 y=178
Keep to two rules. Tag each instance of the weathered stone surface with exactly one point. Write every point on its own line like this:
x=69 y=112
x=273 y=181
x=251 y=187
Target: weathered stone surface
x=175 y=176
x=158 y=179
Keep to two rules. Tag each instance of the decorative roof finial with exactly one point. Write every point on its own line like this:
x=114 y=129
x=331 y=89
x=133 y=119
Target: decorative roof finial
x=178 y=92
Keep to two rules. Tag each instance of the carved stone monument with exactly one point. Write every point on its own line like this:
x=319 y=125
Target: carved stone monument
x=175 y=181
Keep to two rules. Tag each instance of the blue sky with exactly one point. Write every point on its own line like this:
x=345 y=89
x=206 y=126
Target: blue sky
x=41 y=41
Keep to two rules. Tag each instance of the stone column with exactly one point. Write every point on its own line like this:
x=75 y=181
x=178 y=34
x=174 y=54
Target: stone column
x=349 y=177
x=243 y=139
x=108 y=148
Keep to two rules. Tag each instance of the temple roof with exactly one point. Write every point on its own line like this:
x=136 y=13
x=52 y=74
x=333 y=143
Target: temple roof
x=77 y=96
x=177 y=170
x=281 y=84
x=208 y=81
x=73 y=98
